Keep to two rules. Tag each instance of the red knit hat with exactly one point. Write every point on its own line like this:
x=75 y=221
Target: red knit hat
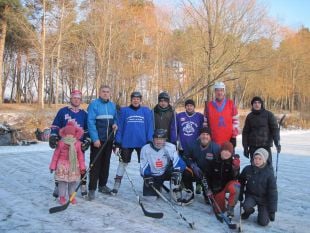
x=76 y=93
x=71 y=129
x=227 y=146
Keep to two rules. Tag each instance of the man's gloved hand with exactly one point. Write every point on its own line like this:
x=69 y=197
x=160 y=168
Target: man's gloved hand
x=233 y=141
x=272 y=216
x=176 y=177
x=53 y=141
x=278 y=148
x=149 y=181
x=209 y=193
x=85 y=144
x=196 y=170
x=82 y=171
x=246 y=152
x=51 y=170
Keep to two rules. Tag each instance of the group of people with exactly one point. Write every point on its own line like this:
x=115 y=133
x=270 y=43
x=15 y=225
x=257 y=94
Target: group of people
x=182 y=148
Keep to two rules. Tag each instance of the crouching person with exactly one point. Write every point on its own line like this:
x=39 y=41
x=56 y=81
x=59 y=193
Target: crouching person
x=260 y=189
x=222 y=177
x=160 y=162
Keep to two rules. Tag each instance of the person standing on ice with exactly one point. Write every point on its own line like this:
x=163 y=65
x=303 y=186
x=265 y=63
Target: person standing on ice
x=135 y=129
x=260 y=186
x=260 y=130
x=163 y=114
x=221 y=116
x=160 y=162
x=77 y=115
x=68 y=161
x=102 y=120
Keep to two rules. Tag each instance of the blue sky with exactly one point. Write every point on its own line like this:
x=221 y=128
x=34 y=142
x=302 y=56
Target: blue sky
x=291 y=13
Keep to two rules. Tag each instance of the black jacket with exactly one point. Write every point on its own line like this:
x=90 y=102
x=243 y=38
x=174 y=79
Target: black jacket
x=220 y=172
x=163 y=118
x=260 y=183
x=260 y=129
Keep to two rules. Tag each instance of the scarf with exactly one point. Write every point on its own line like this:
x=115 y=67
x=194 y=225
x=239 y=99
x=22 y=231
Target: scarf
x=72 y=153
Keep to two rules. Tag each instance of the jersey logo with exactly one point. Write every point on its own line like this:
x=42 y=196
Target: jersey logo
x=159 y=163
x=221 y=122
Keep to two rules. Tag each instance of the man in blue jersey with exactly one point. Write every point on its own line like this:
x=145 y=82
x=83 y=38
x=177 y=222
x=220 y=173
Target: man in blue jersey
x=135 y=129
x=102 y=120
x=77 y=115
x=187 y=126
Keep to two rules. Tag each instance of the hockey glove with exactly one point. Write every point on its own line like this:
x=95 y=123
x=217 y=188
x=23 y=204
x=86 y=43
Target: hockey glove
x=85 y=144
x=51 y=170
x=209 y=193
x=236 y=162
x=272 y=216
x=82 y=171
x=196 y=170
x=149 y=181
x=53 y=141
x=176 y=177
x=278 y=148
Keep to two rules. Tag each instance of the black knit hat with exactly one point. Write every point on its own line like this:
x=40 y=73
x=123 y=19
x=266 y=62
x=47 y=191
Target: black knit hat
x=257 y=98
x=190 y=101
x=205 y=130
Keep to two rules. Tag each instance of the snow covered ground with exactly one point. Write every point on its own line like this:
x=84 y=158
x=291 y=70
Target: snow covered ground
x=26 y=187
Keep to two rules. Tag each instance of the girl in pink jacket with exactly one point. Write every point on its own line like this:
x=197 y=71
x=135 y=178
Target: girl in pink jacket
x=68 y=161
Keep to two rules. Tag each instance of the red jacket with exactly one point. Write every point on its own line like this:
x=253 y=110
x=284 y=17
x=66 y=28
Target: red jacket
x=223 y=120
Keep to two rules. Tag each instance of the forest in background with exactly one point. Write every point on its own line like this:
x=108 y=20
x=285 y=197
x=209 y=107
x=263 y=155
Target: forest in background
x=50 y=47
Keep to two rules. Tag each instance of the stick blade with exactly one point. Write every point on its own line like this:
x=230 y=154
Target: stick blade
x=151 y=214
x=59 y=208
x=232 y=225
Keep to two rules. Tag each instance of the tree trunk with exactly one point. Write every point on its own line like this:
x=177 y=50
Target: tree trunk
x=3 y=27
x=42 y=65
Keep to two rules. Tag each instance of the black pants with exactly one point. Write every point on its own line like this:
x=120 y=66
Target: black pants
x=126 y=154
x=158 y=182
x=253 y=149
x=188 y=178
x=263 y=216
x=101 y=168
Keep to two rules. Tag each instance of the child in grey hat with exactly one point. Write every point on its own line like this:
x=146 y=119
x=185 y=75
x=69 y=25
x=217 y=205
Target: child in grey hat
x=260 y=186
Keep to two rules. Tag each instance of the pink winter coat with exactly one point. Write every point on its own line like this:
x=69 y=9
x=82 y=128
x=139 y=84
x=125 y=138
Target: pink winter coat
x=61 y=164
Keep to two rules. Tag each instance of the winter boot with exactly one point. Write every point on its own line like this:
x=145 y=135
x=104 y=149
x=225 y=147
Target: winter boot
x=83 y=190
x=117 y=184
x=73 y=202
x=91 y=195
x=104 y=189
x=62 y=200
x=230 y=211
x=247 y=213
x=198 y=188
x=187 y=197
x=56 y=192
x=176 y=195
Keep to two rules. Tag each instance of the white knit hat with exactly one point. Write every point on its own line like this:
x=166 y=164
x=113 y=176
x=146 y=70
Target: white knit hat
x=263 y=153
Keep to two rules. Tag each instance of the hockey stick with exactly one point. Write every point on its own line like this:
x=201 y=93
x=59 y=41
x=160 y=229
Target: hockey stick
x=240 y=210
x=191 y=224
x=277 y=162
x=72 y=196
x=225 y=218
x=146 y=213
